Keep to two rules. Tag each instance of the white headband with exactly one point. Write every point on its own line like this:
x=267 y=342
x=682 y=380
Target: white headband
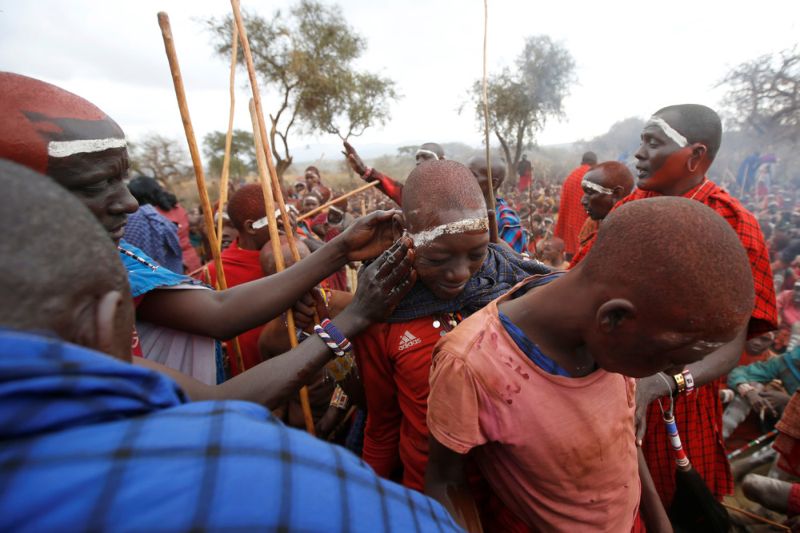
x=422 y=151
x=263 y=221
x=68 y=148
x=669 y=131
x=595 y=187
x=462 y=226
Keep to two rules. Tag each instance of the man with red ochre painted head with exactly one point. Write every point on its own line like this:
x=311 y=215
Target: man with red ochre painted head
x=678 y=146
x=603 y=186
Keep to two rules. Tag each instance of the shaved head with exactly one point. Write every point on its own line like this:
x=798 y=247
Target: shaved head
x=247 y=203
x=678 y=254
x=437 y=189
x=610 y=174
x=56 y=261
x=697 y=123
x=478 y=167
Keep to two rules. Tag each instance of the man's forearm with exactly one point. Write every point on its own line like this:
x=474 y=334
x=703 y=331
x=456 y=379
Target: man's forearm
x=275 y=380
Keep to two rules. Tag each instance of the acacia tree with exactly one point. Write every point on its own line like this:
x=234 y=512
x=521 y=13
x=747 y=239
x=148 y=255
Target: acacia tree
x=161 y=157
x=243 y=153
x=521 y=99
x=307 y=56
x=763 y=95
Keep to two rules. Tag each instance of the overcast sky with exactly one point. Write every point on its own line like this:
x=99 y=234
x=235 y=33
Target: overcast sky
x=631 y=57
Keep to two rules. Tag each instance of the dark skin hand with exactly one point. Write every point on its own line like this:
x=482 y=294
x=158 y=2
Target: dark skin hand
x=446 y=482
x=225 y=314
x=381 y=286
x=354 y=160
x=652 y=510
x=714 y=365
x=768 y=401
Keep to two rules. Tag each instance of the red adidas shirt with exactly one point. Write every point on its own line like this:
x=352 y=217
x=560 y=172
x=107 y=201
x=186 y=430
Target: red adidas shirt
x=394 y=361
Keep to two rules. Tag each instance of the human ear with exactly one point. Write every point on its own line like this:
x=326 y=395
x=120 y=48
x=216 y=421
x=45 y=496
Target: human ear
x=106 y=311
x=613 y=313
x=698 y=152
x=248 y=227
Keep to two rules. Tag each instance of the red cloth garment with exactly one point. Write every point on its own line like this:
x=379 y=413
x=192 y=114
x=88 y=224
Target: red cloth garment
x=699 y=415
x=241 y=266
x=179 y=216
x=394 y=361
x=787 y=443
x=571 y=213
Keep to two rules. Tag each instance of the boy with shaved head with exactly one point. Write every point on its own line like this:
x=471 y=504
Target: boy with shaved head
x=93 y=443
x=459 y=272
x=678 y=146
x=534 y=386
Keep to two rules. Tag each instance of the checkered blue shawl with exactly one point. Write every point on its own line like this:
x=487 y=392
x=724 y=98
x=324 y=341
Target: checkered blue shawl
x=501 y=270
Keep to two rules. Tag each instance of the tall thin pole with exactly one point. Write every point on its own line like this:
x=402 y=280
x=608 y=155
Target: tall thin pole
x=226 y=159
x=490 y=193
x=180 y=93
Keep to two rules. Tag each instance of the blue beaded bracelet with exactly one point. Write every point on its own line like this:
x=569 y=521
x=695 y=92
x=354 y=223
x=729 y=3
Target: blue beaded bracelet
x=333 y=338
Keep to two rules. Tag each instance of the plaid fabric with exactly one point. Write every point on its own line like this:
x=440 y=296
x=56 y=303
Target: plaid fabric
x=501 y=270
x=150 y=231
x=699 y=416
x=91 y=443
x=509 y=226
x=699 y=419
x=571 y=213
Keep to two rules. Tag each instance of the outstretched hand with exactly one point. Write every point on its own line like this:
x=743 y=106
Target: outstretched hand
x=368 y=236
x=385 y=282
x=354 y=160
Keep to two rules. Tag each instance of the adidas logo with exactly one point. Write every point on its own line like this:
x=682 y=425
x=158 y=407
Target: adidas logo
x=407 y=340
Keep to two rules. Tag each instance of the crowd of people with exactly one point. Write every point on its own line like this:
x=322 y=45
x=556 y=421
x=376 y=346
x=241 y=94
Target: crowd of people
x=388 y=362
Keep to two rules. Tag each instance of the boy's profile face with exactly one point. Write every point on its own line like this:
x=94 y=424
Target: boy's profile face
x=639 y=351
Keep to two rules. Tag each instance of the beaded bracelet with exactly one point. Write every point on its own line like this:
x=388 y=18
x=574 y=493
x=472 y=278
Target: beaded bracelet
x=688 y=379
x=331 y=335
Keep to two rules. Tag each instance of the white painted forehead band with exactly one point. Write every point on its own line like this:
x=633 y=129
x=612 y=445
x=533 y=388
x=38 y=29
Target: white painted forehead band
x=669 y=131
x=87 y=146
x=422 y=151
x=263 y=221
x=586 y=184
x=462 y=226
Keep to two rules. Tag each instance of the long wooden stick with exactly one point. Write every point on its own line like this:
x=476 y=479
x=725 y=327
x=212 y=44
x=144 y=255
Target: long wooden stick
x=337 y=200
x=490 y=192
x=756 y=517
x=226 y=159
x=180 y=93
x=275 y=241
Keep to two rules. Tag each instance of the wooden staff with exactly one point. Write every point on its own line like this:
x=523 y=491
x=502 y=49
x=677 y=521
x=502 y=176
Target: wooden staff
x=490 y=193
x=337 y=200
x=363 y=207
x=275 y=241
x=756 y=517
x=226 y=159
x=208 y=218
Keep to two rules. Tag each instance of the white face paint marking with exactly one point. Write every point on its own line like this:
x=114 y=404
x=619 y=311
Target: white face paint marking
x=596 y=188
x=87 y=146
x=422 y=151
x=668 y=130
x=461 y=226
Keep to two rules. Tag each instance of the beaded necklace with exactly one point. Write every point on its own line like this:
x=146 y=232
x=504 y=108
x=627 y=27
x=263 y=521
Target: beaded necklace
x=136 y=257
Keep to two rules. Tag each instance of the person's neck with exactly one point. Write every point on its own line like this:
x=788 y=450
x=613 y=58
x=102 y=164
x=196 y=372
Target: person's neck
x=246 y=242
x=553 y=322
x=683 y=186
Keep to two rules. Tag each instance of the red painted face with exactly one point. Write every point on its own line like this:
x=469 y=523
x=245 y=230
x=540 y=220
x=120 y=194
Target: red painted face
x=662 y=164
